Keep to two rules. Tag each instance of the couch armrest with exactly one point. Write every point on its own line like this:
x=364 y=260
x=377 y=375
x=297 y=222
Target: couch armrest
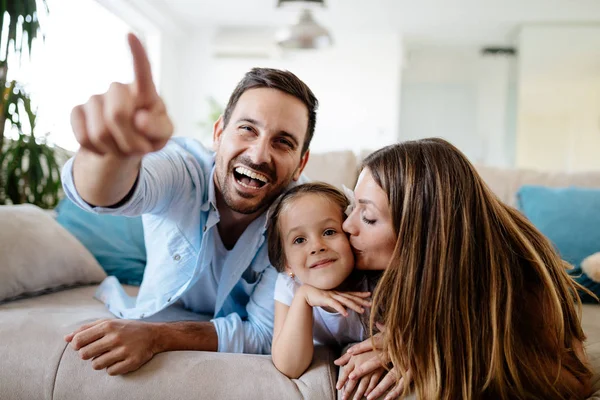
x=196 y=375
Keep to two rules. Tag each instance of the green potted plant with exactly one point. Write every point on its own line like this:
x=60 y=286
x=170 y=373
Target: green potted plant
x=29 y=172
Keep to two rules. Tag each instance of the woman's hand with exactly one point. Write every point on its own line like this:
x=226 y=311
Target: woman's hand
x=373 y=386
x=372 y=346
x=364 y=365
x=349 y=378
x=339 y=301
x=365 y=386
x=373 y=383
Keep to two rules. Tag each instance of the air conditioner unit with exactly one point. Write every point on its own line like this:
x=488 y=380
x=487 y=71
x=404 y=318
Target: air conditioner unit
x=244 y=42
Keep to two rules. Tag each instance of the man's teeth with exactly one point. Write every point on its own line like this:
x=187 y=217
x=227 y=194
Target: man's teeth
x=251 y=174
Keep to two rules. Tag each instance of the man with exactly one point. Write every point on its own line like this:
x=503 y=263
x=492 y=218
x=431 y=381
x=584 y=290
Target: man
x=204 y=214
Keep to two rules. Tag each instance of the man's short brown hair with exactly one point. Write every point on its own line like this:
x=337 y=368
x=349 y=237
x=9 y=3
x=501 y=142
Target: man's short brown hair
x=280 y=80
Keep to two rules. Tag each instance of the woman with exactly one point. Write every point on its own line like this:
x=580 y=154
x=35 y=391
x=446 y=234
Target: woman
x=475 y=301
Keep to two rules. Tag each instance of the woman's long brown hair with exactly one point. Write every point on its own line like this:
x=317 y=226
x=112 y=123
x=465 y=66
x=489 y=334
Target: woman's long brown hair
x=476 y=301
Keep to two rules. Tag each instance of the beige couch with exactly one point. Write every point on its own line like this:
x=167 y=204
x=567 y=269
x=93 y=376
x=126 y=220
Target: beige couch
x=35 y=362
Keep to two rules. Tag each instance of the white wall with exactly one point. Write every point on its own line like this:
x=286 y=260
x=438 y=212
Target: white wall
x=170 y=77
x=559 y=97
x=462 y=96
x=357 y=83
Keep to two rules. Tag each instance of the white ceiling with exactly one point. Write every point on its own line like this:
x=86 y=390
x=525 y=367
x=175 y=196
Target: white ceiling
x=424 y=22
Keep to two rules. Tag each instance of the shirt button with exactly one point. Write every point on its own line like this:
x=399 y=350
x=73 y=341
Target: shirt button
x=176 y=257
x=169 y=299
x=204 y=229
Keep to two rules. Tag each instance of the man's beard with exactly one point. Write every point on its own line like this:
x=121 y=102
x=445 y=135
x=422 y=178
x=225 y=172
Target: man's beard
x=227 y=187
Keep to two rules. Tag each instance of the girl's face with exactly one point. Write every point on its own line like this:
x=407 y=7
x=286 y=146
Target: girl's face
x=316 y=248
x=370 y=225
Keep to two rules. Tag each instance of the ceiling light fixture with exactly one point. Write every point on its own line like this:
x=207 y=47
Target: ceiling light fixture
x=306 y=33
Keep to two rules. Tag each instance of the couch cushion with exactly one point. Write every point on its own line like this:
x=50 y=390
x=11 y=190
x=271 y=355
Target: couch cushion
x=39 y=255
x=505 y=182
x=336 y=168
x=570 y=218
x=31 y=339
x=36 y=362
x=117 y=242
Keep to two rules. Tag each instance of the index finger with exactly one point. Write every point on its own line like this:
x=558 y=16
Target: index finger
x=343 y=377
x=363 y=347
x=367 y=367
x=343 y=360
x=69 y=336
x=87 y=336
x=143 y=84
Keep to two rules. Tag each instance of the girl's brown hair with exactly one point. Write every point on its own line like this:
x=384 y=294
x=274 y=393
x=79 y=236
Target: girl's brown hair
x=475 y=300
x=275 y=244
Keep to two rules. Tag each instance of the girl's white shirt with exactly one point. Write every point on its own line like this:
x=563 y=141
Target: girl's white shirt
x=330 y=329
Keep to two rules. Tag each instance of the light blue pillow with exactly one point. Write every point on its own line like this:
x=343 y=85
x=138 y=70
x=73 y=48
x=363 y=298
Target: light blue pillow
x=570 y=218
x=116 y=242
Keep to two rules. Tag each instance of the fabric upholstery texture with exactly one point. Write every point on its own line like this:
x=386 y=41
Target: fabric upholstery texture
x=39 y=255
x=38 y=364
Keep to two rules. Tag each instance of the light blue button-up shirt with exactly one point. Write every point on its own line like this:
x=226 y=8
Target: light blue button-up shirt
x=175 y=193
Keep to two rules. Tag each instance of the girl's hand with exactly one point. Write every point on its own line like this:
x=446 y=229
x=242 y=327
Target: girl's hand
x=338 y=301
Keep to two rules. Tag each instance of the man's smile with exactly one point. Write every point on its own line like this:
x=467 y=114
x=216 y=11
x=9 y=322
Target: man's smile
x=249 y=179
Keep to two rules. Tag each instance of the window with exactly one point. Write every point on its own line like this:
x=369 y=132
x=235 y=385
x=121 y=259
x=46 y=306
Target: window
x=85 y=49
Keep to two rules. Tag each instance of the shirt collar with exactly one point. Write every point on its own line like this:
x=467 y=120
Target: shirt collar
x=211 y=202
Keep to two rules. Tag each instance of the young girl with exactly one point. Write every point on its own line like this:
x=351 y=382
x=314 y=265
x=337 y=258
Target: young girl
x=313 y=255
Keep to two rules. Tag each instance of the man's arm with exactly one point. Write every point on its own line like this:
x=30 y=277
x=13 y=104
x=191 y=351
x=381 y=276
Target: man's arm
x=115 y=130
x=92 y=172
x=122 y=346
x=187 y=335
x=163 y=176
x=254 y=334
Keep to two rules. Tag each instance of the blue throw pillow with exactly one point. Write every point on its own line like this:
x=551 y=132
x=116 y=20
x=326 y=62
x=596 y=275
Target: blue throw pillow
x=116 y=242
x=570 y=218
